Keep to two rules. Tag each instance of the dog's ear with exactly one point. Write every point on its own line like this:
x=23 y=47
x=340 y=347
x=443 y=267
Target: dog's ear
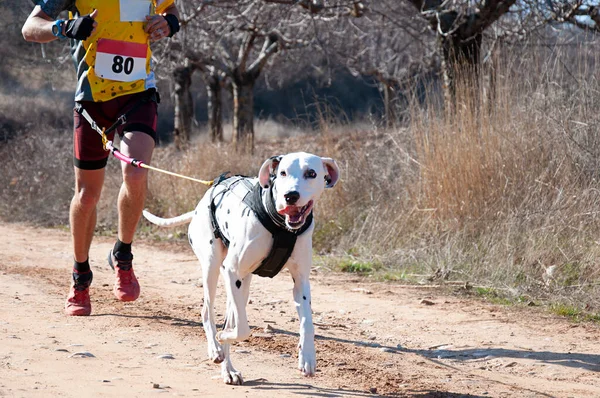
x=268 y=169
x=333 y=172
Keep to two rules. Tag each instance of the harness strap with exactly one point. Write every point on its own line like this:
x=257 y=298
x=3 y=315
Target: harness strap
x=227 y=182
x=284 y=240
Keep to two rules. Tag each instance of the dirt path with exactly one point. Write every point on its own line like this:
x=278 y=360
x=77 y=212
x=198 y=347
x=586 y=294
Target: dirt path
x=372 y=339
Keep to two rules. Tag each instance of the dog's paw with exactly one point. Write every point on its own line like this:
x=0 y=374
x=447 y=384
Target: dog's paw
x=231 y=335
x=307 y=364
x=232 y=376
x=216 y=355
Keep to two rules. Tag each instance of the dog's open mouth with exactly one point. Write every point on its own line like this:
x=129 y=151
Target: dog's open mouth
x=295 y=216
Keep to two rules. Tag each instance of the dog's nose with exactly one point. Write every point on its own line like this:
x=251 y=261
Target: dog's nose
x=291 y=197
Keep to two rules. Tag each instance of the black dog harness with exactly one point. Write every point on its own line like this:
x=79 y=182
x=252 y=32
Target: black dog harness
x=284 y=239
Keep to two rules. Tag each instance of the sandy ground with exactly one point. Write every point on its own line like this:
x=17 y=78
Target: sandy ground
x=373 y=339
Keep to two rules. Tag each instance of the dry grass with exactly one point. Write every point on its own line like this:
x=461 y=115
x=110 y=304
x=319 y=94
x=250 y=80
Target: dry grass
x=502 y=193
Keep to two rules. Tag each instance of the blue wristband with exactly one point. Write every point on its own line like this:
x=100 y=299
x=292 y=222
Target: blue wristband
x=57 y=29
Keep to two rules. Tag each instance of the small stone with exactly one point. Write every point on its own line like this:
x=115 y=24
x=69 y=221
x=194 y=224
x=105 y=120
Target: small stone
x=165 y=356
x=373 y=390
x=387 y=349
x=427 y=302
x=82 y=354
x=268 y=329
x=285 y=355
x=263 y=335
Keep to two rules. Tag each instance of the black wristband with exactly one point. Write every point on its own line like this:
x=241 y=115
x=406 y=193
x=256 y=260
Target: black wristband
x=173 y=23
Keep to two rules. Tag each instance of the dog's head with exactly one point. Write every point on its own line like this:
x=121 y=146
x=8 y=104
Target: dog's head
x=298 y=181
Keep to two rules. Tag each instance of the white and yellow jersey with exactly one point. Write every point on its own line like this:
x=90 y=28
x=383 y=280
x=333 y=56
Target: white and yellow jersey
x=116 y=59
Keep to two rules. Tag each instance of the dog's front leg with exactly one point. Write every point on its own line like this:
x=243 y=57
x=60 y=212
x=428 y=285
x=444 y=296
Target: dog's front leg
x=307 y=361
x=236 y=303
x=228 y=372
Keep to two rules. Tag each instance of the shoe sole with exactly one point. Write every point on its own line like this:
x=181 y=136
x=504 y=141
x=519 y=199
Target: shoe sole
x=81 y=312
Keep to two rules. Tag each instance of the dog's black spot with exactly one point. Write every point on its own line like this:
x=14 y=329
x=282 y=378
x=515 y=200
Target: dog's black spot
x=210 y=241
x=228 y=211
x=226 y=226
x=293 y=280
x=223 y=266
x=304 y=297
x=196 y=212
x=238 y=283
x=190 y=239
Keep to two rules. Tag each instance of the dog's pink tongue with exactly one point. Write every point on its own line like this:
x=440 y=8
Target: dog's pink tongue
x=293 y=212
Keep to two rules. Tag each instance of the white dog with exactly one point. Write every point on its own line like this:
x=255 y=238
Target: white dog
x=257 y=225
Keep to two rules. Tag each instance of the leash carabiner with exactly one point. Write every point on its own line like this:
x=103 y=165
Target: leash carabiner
x=105 y=141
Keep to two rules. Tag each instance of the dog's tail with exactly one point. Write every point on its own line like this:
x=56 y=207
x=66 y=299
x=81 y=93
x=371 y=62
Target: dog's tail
x=169 y=222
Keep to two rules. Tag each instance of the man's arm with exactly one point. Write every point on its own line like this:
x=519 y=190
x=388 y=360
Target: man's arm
x=38 y=27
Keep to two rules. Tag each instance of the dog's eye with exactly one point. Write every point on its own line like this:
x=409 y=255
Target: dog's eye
x=282 y=173
x=310 y=174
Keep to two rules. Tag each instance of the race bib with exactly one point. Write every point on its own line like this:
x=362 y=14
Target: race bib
x=121 y=60
x=134 y=10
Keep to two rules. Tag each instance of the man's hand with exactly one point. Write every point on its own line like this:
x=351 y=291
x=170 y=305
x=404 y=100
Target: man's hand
x=156 y=27
x=82 y=27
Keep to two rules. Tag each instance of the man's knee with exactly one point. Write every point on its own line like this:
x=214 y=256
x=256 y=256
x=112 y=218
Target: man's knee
x=135 y=178
x=87 y=197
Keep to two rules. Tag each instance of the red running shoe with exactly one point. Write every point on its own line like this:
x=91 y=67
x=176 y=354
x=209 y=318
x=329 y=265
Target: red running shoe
x=127 y=287
x=78 y=301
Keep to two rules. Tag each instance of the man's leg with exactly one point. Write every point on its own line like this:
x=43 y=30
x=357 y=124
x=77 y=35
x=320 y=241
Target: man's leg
x=130 y=204
x=82 y=217
x=133 y=191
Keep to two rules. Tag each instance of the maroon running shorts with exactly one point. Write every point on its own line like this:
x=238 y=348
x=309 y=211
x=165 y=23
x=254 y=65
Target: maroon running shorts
x=88 y=151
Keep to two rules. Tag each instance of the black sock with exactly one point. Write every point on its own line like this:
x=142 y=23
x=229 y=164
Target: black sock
x=122 y=247
x=83 y=267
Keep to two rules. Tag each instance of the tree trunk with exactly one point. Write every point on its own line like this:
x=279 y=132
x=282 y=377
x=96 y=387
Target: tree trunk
x=243 y=114
x=461 y=63
x=215 y=109
x=388 y=103
x=184 y=105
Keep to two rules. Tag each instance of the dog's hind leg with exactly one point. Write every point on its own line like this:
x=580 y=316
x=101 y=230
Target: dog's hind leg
x=211 y=253
x=228 y=372
x=307 y=361
x=210 y=276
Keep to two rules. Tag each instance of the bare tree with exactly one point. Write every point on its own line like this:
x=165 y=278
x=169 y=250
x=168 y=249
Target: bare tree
x=389 y=44
x=459 y=26
x=232 y=42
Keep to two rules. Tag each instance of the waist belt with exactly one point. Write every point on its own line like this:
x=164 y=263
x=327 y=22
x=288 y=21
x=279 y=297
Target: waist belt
x=284 y=239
